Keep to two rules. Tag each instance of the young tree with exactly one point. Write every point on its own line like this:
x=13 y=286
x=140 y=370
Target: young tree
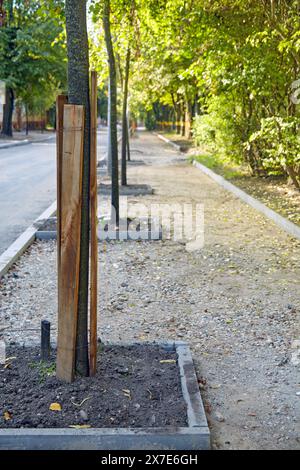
x=78 y=93
x=113 y=113
x=125 y=137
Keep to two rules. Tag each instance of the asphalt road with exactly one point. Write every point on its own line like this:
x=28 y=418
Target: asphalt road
x=28 y=185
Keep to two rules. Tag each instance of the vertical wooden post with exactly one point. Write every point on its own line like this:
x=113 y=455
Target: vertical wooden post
x=60 y=102
x=94 y=222
x=70 y=221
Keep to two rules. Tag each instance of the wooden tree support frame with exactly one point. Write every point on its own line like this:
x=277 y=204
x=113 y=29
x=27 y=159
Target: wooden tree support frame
x=93 y=225
x=70 y=145
x=70 y=161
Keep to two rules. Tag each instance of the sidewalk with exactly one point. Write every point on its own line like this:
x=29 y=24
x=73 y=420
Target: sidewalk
x=235 y=302
x=19 y=138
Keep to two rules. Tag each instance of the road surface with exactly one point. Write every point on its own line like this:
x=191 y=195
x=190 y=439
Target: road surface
x=28 y=185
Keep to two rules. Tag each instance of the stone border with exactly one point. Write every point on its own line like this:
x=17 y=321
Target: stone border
x=17 y=248
x=282 y=222
x=46 y=234
x=130 y=190
x=168 y=141
x=195 y=436
x=25 y=142
x=123 y=235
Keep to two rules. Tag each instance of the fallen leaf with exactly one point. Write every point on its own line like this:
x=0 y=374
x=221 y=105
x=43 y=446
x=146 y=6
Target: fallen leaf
x=215 y=386
x=8 y=359
x=208 y=408
x=80 y=426
x=55 y=407
x=127 y=393
x=7 y=415
x=168 y=361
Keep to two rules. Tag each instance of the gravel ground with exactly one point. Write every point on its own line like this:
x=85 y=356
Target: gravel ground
x=236 y=302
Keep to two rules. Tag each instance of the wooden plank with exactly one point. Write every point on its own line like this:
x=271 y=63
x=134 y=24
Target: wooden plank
x=94 y=222
x=71 y=199
x=60 y=102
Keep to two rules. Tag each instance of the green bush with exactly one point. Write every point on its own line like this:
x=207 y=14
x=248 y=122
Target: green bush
x=279 y=146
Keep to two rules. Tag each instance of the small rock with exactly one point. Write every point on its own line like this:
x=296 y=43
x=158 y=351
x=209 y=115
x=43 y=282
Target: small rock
x=219 y=417
x=83 y=415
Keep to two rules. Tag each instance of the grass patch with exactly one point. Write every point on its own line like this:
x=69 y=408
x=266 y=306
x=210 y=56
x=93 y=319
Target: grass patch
x=44 y=369
x=273 y=191
x=222 y=167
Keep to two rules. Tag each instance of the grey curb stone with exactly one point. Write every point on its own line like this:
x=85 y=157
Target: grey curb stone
x=123 y=235
x=282 y=222
x=16 y=249
x=167 y=141
x=136 y=190
x=195 y=436
x=25 y=142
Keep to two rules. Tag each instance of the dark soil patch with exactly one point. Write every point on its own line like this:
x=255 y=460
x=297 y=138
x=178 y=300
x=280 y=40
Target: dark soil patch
x=132 y=388
x=49 y=225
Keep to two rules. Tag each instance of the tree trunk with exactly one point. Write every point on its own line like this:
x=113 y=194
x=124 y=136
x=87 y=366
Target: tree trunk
x=27 y=119
x=128 y=138
x=188 y=120
x=182 y=120
x=124 y=120
x=115 y=216
x=108 y=133
x=8 y=108
x=293 y=176
x=78 y=93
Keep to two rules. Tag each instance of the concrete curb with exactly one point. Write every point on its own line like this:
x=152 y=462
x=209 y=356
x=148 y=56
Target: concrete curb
x=16 y=249
x=286 y=225
x=167 y=141
x=195 y=436
x=25 y=142
x=130 y=190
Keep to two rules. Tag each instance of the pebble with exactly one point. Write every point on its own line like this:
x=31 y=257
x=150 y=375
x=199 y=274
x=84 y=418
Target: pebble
x=219 y=417
x=83 y=415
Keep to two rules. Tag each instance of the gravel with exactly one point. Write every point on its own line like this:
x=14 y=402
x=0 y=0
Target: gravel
x=235 y=302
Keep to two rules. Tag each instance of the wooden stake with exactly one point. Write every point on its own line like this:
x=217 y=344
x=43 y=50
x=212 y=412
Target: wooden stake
x=70 y=218
x=94 y=222
x=60 y=102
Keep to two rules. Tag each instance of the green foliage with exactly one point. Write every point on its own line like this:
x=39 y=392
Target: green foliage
x=228 y=64
x=279 y=143
x=33 y=53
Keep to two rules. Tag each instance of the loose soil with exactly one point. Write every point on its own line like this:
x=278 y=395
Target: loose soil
x=132 y=388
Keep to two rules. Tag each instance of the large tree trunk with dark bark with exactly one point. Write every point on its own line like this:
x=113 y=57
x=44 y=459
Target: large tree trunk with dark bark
x=78 y=93
x=124 y=120
x=8 y=109
x=113 y=114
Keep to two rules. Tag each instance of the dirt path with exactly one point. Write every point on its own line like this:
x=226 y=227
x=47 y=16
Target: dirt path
x=236 y=302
